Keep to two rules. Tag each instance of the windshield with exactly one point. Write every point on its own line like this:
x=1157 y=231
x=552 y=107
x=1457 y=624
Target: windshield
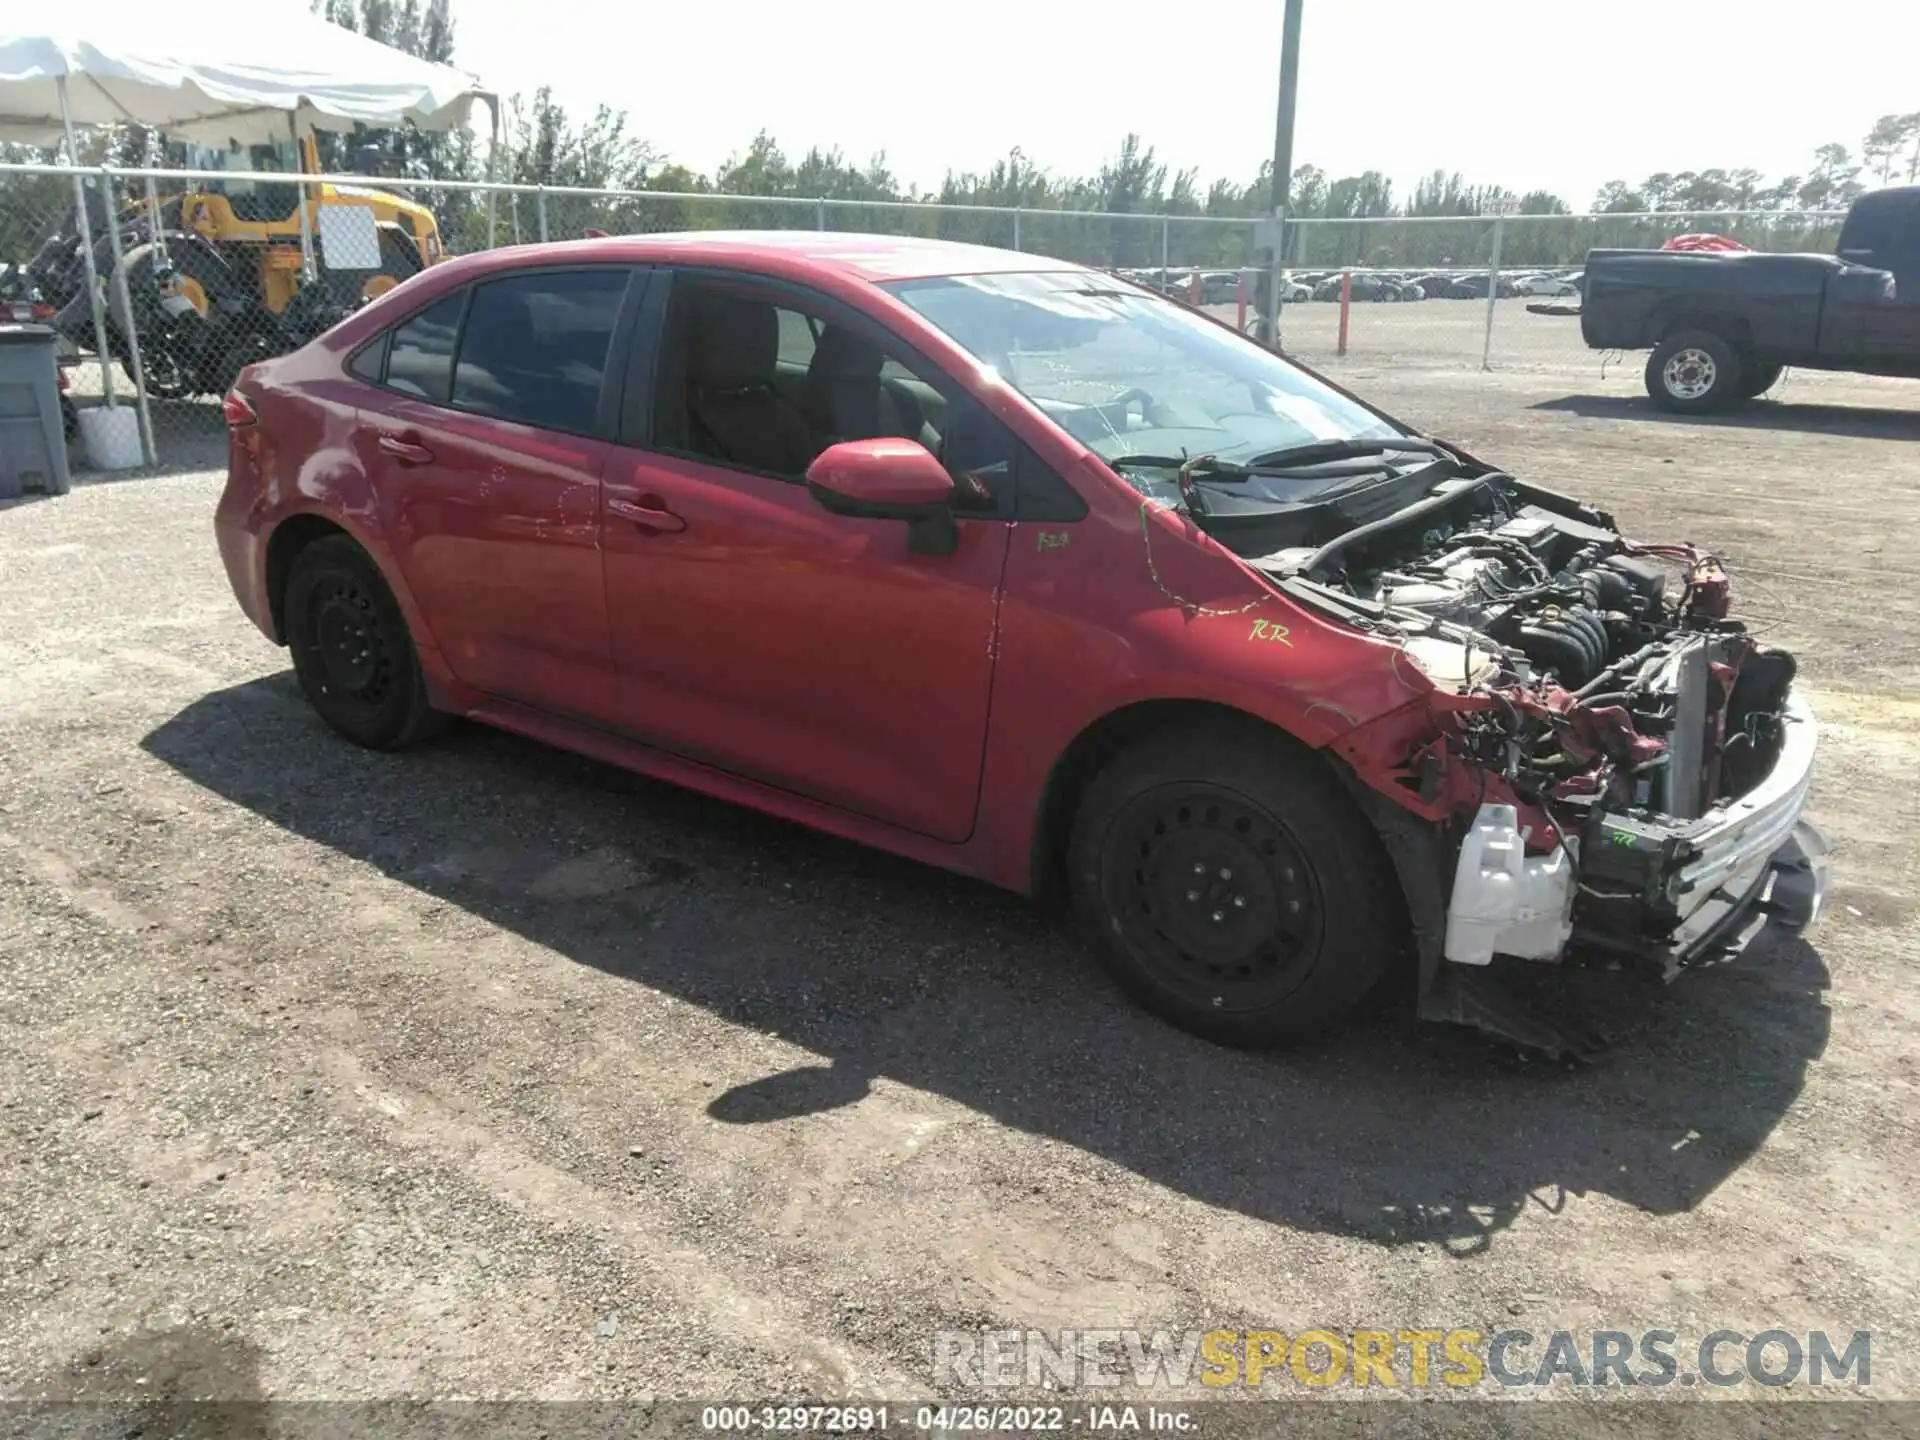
x=1128 y=373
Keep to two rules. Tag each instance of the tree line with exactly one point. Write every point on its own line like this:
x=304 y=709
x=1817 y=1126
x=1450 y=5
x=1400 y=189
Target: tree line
x=542 y=143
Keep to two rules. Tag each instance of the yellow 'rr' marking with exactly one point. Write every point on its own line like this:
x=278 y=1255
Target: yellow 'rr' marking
x=1271 y=630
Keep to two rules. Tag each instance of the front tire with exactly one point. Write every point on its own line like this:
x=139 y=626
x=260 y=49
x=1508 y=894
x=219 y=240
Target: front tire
x=1234 y=888
x=1695 y=372
x=351 y=649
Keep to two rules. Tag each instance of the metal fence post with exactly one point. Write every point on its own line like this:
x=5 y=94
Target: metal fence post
x=540 y=199
x=1016 y=227
x=1493 y=290
x=1277 y=286
x=85 y=228
x=1166 y=245
x=820 y=213
x=307 y=269
x=125 y=298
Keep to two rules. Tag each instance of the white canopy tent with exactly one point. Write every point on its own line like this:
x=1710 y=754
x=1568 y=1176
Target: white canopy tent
x=207 y=78
x=214 y=81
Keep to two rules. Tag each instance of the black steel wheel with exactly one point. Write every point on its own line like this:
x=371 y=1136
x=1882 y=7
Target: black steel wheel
x=1234 y=886
x=351 y=649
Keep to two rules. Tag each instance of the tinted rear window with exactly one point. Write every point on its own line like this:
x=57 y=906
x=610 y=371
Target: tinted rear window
x=535 y=347
x=420 y=359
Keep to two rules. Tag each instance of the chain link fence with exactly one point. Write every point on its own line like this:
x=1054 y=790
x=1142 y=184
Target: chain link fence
x=221 y=268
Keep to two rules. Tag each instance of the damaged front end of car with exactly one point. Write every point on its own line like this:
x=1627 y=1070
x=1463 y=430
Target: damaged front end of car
x=1603 y=765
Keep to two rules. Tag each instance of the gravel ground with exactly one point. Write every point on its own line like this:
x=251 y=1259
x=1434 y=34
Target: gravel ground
x=485 y=1070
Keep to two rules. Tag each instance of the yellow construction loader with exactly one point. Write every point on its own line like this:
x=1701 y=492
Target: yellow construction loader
x=229 y=271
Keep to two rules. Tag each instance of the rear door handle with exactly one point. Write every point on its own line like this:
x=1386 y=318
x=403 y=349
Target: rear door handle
x=654 y=517
x=407 y=452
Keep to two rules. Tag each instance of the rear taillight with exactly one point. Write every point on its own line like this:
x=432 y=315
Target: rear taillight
x=65 y=383
x=43 y=311
x=238 y=411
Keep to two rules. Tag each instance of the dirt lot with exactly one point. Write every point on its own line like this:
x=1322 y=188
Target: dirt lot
x=1435 y=333
x=484 y=1070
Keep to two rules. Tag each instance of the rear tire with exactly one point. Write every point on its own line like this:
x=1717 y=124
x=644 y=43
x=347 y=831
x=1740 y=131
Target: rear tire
x=1695 y=372
x=1759 y=380
x=351 y=649
x=1234 y=888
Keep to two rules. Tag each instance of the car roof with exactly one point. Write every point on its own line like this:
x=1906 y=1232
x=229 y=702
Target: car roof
x=871 y=258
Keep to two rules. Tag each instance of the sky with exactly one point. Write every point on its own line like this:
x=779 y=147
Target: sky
x=1525 y=93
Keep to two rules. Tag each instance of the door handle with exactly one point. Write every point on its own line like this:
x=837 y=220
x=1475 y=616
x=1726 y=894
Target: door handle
x=407 y=452
x=654 y=517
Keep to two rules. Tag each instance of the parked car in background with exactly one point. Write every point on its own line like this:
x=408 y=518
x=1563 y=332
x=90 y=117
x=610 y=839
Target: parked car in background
x=1368 y=286
x=1536 y=284
x=1475 y=286
x=976 y=557
x=20 y=299
x=1574 y=284
x=1219 y=287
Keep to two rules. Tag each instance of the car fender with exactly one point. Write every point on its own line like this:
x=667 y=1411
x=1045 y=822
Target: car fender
x=1138 y=610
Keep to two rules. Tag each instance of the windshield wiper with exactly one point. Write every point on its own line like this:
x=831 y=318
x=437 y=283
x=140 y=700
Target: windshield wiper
x=1321 y=451
x=1210 y=465
x=1185 y=467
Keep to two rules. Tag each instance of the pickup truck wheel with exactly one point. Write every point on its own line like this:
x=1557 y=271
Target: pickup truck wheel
x=1695 y=371
x=1234 y=888
x=1759 y=380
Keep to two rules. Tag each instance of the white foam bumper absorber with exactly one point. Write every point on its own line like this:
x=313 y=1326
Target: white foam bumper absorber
x=1505 y=901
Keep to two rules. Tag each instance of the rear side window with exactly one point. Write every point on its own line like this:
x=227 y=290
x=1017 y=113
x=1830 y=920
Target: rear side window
x=534 y=349
x=420 y=357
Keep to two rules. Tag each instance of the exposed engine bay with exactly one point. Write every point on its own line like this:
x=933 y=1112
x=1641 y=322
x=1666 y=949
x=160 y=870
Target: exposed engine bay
x=1606 y=650
x=1600 y=686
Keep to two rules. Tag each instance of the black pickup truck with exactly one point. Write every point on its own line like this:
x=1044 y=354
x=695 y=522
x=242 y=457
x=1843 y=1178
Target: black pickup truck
x=1722 y=324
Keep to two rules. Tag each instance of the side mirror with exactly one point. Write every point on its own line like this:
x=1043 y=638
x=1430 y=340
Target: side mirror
x=888 y=479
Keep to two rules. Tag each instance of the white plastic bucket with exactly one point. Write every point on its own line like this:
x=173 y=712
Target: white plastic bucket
x=112 y=437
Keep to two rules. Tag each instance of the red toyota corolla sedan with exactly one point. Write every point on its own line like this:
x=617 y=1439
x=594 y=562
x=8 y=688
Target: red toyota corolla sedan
x=1015 y=568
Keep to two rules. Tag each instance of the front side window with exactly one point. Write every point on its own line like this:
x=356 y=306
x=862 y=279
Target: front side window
x=761 y=379
x=1128 y=373
x=535 y=347
x=420 y=356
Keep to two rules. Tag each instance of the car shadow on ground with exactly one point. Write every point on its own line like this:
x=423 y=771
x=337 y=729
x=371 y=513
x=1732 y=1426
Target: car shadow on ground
x=1386 y=1130
x=186 y=1383
x=1870 y=422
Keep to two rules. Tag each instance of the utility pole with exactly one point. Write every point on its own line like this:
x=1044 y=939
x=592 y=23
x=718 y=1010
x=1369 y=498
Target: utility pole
x=1269 y=330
